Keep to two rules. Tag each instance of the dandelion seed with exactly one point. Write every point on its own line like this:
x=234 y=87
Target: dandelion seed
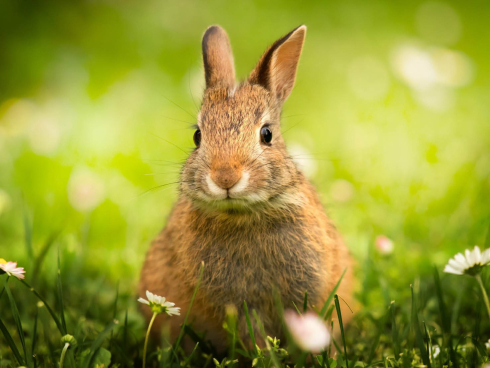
x=11 y=269
x=308 y=330
x=158 y=304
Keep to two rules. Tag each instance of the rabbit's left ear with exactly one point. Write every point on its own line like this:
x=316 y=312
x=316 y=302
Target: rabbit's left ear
x=276 y=69
x=219 y=67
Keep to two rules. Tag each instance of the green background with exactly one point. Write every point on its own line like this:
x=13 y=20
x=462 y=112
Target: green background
x=389 y=117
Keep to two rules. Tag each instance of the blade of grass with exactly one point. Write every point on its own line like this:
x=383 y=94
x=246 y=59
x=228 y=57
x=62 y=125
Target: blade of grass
x=273 y=356
x=446 y=321
x=231 y=320
x=60 y=295
x=28 y=234
x=50 y=310
x=125 y=334
x=477 y=331
x=181 y=333
x=188 y=360
x=205 y=348
x=394 y=332
x=34 y=333
x=296 y=308
x=11 y=344
x=418 y=334
x=339 y=315
x=97 y=343
x=249 y=325
x=42 y=254
x=18 y=323
x=331 y=296
x=374 y=345
x=428 y=340
x=114 y=314
x=305 y=302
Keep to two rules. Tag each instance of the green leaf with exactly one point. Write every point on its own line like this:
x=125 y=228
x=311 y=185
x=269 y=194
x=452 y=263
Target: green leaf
x=97 y=343
x=102 y=358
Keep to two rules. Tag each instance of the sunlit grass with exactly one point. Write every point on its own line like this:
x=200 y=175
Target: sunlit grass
x=439 y=323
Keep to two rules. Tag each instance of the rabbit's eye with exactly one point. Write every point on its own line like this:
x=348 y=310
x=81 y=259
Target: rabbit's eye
x=266 y=135
x=197 y=137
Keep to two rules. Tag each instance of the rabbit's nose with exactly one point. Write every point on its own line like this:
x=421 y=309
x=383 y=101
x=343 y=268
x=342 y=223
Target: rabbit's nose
x=226 y=177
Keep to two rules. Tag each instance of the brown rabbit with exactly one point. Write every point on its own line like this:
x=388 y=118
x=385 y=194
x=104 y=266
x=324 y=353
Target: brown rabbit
x=245 y=209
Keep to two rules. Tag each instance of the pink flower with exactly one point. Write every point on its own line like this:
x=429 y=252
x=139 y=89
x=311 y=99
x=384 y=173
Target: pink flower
x=384 y=244
x=11 y=269
x=308 y=330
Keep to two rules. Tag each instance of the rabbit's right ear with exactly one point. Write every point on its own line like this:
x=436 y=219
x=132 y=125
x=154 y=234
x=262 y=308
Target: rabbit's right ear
x=276 y=70
x=218 y=61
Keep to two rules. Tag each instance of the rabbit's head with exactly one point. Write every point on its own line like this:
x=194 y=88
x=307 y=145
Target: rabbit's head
x=240 y=161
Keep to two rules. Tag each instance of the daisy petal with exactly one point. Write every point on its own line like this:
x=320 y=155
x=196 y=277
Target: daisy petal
x=461 y=259
x=485 y=256
x=144 y=301
x=449 y=269
x=477 y=254
x=456 y=265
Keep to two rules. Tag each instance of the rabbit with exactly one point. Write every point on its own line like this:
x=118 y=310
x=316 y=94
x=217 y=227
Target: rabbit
x=244 y=208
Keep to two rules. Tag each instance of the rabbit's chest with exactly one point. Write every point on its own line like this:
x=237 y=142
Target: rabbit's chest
x=256 y=265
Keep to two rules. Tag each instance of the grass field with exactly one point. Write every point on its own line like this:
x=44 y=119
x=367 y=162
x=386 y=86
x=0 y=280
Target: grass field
x=389 y=119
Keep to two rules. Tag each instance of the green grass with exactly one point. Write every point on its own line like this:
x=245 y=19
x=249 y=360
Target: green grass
x=436 y=322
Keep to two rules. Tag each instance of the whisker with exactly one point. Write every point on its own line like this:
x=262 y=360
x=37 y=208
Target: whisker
x=259 y=155
x=162 y=186
x=180 y=120
x=173 y=144
x=180 y=107
x=294 y=126
x=190 y=90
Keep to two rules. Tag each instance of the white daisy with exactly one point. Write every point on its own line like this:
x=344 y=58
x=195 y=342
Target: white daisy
x=308 y=330
x=158 y=304
x=470 y=264
x=11 y=269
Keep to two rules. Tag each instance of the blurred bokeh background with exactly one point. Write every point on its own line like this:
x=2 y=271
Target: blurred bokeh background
x=389 y=118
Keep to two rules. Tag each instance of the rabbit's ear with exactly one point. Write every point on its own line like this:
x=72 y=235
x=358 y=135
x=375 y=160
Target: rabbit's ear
x=276 y=69
x=219 y=67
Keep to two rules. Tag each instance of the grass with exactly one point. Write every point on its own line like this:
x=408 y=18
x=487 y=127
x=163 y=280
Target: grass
x=440 y=323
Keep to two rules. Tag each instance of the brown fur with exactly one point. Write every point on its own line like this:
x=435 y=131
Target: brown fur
x=273 y=235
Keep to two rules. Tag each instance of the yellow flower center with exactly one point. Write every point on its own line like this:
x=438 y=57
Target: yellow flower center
x=3 y=261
